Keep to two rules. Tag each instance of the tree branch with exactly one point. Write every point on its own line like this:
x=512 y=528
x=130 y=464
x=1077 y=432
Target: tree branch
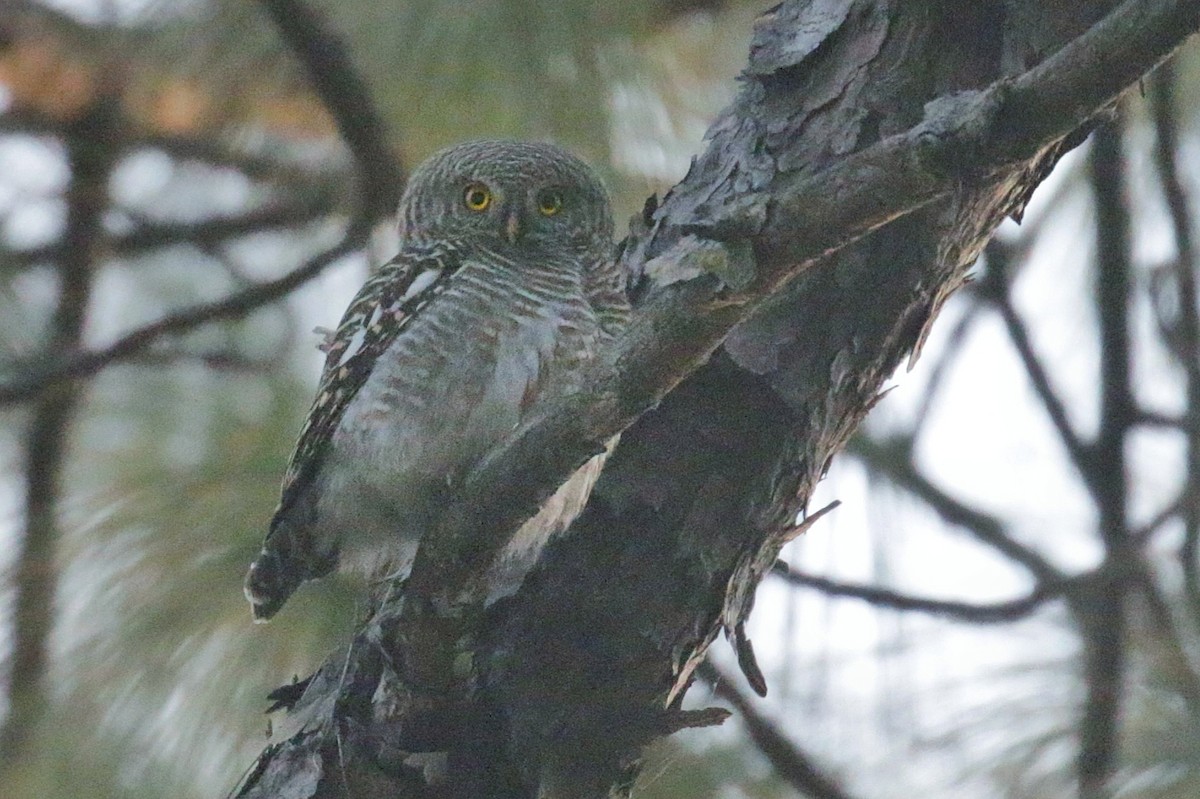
x=212 y=151
x=1103 y=623
x=344 y=94
x=754 y=238
x=343 y=91
x=149 y=236
x=955 y=341
x=1187 y=324
x=678 y=323
x=999 y=612
x=996 y=289
x=234 y=306
x=1167 y=647
x=894 y=461
x=35 y=572
x=964 y=137
x=791 y=764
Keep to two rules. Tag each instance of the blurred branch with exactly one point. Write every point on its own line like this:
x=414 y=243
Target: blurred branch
x=955 y=341
x=217 y=360
x=998 y=612
x=34 y=124
x=345 y=95
x=234 y=306
x=261 y=165
x=150 y=235
x=210 y=150
x=1155 y=523
x=1149 y=418
x=894 y=461
x=35 y=575
x=995 y=288
x=1187 y=323
x=791 y=764
x=1167 y=646
x=1103 y=621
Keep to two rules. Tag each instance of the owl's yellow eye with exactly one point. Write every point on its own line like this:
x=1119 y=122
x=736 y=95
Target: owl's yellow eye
x=477 y=197
x=550 y=203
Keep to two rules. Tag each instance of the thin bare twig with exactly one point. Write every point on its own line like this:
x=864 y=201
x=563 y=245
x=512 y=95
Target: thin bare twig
x=996 y=613
x=1148 y=418
x=209 y=150
x=793 y=765
x=217 y=360
x=955 y=341
x=345 y=95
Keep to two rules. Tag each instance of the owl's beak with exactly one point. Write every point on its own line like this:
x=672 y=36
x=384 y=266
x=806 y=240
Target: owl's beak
x=512 y=226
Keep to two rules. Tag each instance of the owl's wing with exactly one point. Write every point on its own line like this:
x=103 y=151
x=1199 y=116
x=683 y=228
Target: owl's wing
x=380 y=311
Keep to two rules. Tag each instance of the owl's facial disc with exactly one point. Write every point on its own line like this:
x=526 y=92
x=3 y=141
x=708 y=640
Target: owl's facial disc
x=528 y=196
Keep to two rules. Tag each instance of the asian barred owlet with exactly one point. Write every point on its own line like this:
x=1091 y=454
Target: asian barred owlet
x=503 y=290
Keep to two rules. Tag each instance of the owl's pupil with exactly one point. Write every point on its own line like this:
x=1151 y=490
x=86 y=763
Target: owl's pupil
x=550 y=203
x=477 y=198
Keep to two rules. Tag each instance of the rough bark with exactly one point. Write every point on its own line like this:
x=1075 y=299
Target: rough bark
x=867 y=159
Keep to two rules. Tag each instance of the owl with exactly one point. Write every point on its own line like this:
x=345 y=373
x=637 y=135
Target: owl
x=503 y=290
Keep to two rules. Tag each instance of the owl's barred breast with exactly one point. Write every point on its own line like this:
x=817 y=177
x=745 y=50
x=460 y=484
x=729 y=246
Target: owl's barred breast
x=417 y=425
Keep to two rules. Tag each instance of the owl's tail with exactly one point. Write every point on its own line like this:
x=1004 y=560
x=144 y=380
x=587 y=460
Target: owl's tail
x=287 y=560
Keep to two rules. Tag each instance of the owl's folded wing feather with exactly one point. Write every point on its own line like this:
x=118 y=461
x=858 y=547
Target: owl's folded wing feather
x=380 y=311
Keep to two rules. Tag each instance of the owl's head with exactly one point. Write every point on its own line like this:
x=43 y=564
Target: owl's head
x=507 y=195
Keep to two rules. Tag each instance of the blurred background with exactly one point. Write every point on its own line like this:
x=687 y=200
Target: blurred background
x=995 y=595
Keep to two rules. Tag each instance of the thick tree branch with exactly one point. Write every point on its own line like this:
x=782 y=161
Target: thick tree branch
x=964 y=137
x=772 y=235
